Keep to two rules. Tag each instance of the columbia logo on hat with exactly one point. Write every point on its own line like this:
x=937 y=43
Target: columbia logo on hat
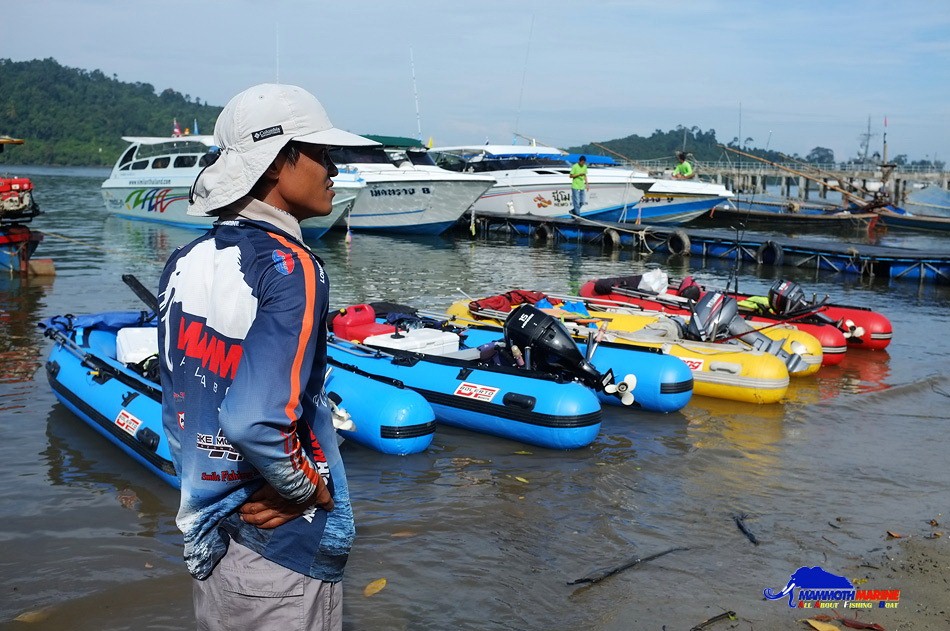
x=276 y=130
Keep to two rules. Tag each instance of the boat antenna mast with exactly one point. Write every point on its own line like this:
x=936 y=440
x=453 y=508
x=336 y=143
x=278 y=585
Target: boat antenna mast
x=415 y=95
x=524 y=74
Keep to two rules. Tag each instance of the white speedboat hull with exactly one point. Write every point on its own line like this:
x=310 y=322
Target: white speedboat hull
x=412 y=201
x=138 y=188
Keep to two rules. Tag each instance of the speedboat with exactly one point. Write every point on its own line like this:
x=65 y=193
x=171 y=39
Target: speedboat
x=534 y=180
x=409 y=196
x=152 y=179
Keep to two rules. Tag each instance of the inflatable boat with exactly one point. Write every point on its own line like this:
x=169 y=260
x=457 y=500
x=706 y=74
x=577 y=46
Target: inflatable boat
x=837 y=327
x=533 y=386
x=657 y=382
x=722 y=371
x=103 y=368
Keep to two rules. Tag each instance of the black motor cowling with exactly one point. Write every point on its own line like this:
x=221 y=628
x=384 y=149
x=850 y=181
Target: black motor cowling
x=786 y=296
x=550 y=346
x=711 y=316
x=716 y=316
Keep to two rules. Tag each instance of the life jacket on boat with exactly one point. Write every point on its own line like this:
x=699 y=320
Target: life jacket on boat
x=757 y=304
x=504 y=302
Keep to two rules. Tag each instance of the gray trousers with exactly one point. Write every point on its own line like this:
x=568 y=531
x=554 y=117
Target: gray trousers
x=246 y=591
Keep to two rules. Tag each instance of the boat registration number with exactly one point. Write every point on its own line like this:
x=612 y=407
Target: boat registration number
x=475 y=391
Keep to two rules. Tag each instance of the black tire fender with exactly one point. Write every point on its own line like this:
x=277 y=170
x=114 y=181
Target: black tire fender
x=678 y=243
x=770 y=253
x=612 y=239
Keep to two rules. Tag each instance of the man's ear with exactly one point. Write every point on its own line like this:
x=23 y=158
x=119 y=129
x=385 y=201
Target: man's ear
x=273 y=171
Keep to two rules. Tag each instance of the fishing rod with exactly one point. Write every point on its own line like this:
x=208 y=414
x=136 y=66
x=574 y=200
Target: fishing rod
x=620 y=155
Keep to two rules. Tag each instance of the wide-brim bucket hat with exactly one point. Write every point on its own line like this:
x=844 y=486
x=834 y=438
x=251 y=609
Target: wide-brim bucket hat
x=251 y=130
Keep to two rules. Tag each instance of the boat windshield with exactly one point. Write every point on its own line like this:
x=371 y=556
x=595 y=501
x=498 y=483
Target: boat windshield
x=481 y=164
x=360 y=155
x=420 y=158
x=186 y=154
x=401 y=157
x=173 y=147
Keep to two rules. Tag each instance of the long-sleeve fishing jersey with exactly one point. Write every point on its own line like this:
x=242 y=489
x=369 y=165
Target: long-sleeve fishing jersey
x=243 y=349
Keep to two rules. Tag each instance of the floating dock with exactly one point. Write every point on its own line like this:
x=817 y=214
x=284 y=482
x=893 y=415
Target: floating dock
x=846 y=258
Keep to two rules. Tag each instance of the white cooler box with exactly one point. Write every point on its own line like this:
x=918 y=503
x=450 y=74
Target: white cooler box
x=419 y=340
x=133 y=344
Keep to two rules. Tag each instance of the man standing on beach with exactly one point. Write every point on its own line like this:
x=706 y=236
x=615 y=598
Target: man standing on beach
x=579 y=185
x=265 y=509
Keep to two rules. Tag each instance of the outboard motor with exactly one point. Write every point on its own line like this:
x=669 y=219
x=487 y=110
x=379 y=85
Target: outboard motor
x=544 y=342
x=711 y=316
x=716 y=316
x=786 y=296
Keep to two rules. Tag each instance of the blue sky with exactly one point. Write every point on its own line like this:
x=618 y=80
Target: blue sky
x=789 y=75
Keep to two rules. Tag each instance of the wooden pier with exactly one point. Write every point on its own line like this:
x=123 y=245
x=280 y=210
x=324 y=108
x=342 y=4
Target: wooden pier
x=749 y=176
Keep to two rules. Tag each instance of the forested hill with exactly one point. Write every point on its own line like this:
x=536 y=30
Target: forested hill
x=663 y=145
x=69 y=116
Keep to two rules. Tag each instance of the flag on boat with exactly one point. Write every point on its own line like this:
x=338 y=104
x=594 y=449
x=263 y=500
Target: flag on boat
x=195 y=127
x=176 y=130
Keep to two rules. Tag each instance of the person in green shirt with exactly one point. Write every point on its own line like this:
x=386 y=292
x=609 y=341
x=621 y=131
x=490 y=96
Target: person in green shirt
x=579 y=185
x=683 y=170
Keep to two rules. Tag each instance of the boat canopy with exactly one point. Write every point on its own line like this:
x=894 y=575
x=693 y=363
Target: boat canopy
x=482 y=152
x=395 y=142
x=157 y=140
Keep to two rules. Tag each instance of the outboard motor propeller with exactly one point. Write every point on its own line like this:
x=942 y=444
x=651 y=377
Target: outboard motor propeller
x=716 y=315
x=549 y=345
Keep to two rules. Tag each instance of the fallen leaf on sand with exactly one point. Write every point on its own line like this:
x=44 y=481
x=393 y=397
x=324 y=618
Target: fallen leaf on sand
x=821 y=626
x=37 y=615
x=523 y=453
x=520 y=479
x=374 y=587
x=893 y=535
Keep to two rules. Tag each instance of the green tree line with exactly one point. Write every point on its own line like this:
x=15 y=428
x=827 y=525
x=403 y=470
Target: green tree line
x=74 y=117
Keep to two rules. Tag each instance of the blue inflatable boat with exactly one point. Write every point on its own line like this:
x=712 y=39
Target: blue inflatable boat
x=545 y=397
x=103 y=368
x=657 y=382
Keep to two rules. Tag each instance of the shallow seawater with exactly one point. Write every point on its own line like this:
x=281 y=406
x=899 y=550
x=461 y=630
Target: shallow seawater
x=480 y=532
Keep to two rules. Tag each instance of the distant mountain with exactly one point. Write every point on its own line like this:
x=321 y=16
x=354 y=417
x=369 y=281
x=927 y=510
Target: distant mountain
x=69 y=116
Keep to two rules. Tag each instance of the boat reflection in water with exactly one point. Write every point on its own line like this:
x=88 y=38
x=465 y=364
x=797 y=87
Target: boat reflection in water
x=21 y=299
x=860 y=372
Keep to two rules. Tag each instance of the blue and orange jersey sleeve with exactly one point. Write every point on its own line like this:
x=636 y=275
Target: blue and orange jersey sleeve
x=264 y=405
